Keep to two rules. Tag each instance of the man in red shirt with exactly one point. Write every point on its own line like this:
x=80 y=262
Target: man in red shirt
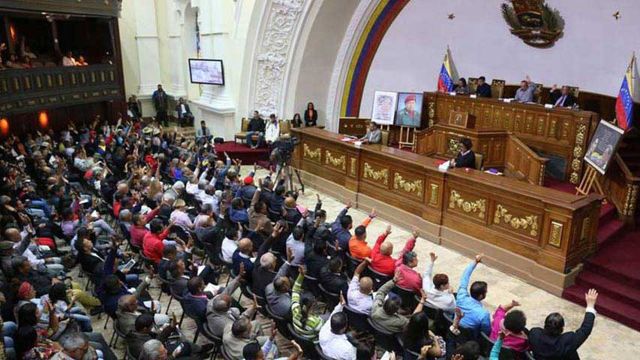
x=152 y=245
x=381 y=259
x=138 y=230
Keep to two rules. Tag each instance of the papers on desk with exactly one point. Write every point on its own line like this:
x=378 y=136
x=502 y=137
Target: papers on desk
x=212 y=288
x=494 y=172
x=548 y=106
x=348 y=139
x=444 y=166
x=473 y=96
x=453 y=93
x=507 y=100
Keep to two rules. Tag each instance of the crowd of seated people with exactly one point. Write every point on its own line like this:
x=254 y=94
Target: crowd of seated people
x=136 y=208
x=24 y=58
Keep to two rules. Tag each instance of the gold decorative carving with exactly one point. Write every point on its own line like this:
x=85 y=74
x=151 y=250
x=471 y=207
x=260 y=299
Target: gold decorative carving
x=415 y=186
x=577 y=153
x=630 y=200
x=555 y=239
x=454 y=146
x=434 y=198
x=477 y=206
x=528 y=222
x=339 y=162
x=353 y=167
x=573 y=178
x=431 y=112
x=575 y=164
x=533 y=21
x=381 y=175
x=312 y=154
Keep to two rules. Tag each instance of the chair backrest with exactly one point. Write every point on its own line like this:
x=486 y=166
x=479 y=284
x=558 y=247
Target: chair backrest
x=408 y=354
x=497 y=88
x=285 y=127
x=332 y=299
x=486 y=344
x=378 y=278
x=384 y=339
x=245 y=125
x=473 y=85
x=537 y=94
x=408 y=297
x=307 y=344
x=357 y=320
x=384 y=137
x=574 y=90
x=352 y=264
x=478 y=161
x=311 y=284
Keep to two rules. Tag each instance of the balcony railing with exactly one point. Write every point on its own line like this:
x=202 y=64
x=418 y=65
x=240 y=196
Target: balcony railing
x=25 y=90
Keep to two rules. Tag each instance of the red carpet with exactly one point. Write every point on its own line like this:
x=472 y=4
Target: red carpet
x=247 y=155
x=614 y=270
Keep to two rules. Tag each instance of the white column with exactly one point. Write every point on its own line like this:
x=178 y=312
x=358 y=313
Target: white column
x=216 y=106
x=175 y=14
x=147 y=45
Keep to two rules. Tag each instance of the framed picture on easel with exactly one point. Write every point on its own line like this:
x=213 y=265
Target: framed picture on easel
x=603 y=146
x=384 y=107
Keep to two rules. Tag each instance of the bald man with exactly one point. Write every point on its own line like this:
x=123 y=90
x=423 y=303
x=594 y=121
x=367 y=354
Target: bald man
x=381 y=259
x=359 y=295
x=243 y=255
x=52 y=265
x=219 y=310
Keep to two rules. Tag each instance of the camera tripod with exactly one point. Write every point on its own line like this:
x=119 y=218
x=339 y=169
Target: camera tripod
x=285 y=170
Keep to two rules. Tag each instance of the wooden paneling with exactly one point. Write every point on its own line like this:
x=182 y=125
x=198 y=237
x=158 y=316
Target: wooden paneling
x=522 y=163
x=562 y=132
x=555 y=229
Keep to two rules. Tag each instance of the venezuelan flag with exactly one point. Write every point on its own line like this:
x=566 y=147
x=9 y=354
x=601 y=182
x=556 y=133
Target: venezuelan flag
x=624 y=102
x=447 y=76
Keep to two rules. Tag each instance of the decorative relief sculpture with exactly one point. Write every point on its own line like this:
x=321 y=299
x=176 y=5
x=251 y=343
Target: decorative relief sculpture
x=477 y=206
x=339 y=162
x=381 y=175
x=533 y=21
x=312 y=154
x=273 y=52
x=529 y=222
x=412 y=187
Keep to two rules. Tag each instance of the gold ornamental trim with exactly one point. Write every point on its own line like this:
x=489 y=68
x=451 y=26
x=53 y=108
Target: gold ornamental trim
x=408 y=186
x=476 y=206
x=432 y=112
x=581 y=131
x=434 y=198
x=353 y=167
x=555 y=239
x=586 y=227
x=630 y=200
x=381 y=175
x=527 y=223
x=312 y=154
x=339 y=162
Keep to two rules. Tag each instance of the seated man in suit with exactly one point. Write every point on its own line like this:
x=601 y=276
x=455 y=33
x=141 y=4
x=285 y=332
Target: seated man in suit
x=553 y=343
x=561 y=97
x=373 y=136
x=466 y=158
x=483 y=89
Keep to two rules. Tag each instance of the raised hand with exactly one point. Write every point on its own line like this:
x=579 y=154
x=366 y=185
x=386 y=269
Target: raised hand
x=591 y=297
x=514 y=303
x=242 y=271
x=290 y=256
x=479 y=258
x=301 y=270
x=342 y=301
x=415 y=233
x=388 y=230
x=349 y=204
x=433 y=257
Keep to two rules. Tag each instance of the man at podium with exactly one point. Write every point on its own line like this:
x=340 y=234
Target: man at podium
x=466 y=157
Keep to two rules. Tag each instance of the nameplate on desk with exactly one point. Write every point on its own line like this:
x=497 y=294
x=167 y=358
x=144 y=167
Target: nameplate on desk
x=453 y=93
x=508 y=101
x=473 y=96
x=548 y=106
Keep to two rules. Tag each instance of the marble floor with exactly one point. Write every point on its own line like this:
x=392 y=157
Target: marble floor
x=609 y=339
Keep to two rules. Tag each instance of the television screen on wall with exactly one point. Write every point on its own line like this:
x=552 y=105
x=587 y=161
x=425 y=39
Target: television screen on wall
x=206 y=71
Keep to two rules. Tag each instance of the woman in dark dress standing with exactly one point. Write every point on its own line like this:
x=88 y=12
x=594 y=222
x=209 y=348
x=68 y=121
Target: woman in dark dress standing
x=310 y=115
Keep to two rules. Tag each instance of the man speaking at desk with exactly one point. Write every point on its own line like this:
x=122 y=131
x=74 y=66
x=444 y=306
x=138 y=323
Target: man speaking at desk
x=373 y=135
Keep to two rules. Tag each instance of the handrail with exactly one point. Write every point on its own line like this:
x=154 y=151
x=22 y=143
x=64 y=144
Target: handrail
x=533 y=171
x=527 y=149
x=628 y=175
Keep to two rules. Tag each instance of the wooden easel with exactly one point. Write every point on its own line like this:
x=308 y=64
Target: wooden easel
x=407 y=137
x=589 y=179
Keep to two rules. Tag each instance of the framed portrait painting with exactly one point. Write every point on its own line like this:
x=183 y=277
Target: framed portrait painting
x=603 y=146
x=384 y=107
x=408 y=110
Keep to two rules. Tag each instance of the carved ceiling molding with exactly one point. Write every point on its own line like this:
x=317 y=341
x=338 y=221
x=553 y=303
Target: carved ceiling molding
x=274 y=53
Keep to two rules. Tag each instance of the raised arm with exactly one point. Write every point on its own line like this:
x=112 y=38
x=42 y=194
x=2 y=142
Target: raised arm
x=463 y=289
x=589 y=318
x=427 y=282
x=408 y=246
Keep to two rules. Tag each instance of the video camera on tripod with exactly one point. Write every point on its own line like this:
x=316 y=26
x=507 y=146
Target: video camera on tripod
x=283 y=150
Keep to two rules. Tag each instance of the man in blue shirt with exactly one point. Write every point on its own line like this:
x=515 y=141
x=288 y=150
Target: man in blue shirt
x=476 y=317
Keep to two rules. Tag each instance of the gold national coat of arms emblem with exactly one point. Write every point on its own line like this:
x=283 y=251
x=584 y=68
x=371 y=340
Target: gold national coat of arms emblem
x=534 y=22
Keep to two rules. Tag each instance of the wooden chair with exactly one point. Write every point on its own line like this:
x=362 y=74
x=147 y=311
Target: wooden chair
x=537 y=94
x=478 y=162
x=384 y=137
x=473 y=85
x=574 y=90
x=285 y=127
x=244 y=128
x=497 y=88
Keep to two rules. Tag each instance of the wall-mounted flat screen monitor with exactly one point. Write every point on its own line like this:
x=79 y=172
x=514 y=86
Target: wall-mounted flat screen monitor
x=206 y=71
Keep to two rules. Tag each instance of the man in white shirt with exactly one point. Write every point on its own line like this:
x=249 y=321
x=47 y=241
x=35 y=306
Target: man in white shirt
x=333 y=339
x=68 y=60
x=273 y=130
x=438 y=290
x=229 y=245
x=360 y=289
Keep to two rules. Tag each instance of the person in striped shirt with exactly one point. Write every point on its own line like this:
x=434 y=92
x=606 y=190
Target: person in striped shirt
x=304 y=322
